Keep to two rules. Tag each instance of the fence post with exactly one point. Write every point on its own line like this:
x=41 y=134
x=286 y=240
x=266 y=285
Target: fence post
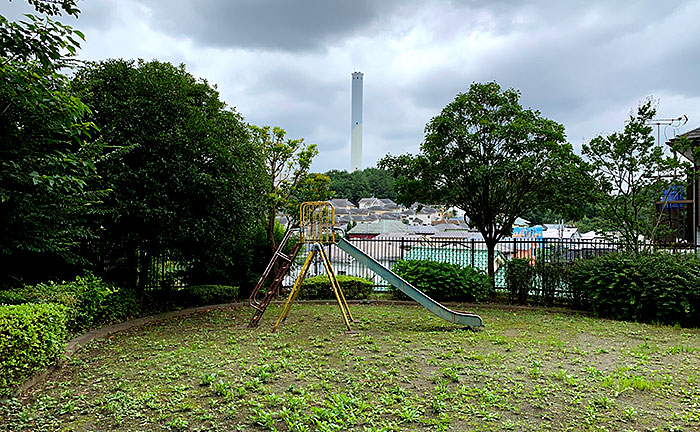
x=473 y=252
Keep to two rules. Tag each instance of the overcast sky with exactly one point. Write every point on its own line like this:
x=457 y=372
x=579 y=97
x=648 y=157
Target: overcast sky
x=584 y=64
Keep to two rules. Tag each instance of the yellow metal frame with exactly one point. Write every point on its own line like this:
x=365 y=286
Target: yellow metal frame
x=316 y=219
x=316 y=224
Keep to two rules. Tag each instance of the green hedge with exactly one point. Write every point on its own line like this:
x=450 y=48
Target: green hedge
x=319 y=288
x=32 y=337
x=88 y=300
x=655 y=287
x=200 y=295
x=519 y=275
x=442 y=281
x=163 y=300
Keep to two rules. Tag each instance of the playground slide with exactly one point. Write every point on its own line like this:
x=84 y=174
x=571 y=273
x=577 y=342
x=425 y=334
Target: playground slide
x=464 y=318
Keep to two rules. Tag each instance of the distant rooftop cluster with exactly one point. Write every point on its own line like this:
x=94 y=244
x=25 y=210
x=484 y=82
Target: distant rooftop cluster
x=383 y=209
x=382 y=217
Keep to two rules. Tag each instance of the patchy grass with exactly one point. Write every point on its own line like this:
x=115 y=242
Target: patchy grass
x=406 y=370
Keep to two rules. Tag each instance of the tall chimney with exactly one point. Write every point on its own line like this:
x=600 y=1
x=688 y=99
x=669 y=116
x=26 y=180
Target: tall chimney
x=356 y=123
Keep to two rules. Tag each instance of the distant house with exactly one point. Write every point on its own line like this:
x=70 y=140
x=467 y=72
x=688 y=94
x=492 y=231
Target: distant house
x=457 y=234
x=370 y=202
x=390 y=216
x=429 y=214
x=424 y=230
x=368 y=230
x=342 y=204
x=535 y=231
x=377 y=209
x=560 y=232
x=521 y=223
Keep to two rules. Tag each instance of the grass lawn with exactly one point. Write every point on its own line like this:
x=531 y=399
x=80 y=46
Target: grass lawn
x=406 y=370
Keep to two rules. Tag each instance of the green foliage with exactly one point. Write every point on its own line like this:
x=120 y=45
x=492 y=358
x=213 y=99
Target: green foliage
x=252 y=265
x=32 y=337
x=319 y=288
x=45 y=157
x=553 y=276
x=443 y=281
x=12 y=297
x=186 y=180
x=651 y=287
x=209 y=294
x=358 y=184
x=286 y=165
x=493 y=159
x=88 y=300
x=519 y=275
x=314 y=187
x=41 y=41
x=632 y=172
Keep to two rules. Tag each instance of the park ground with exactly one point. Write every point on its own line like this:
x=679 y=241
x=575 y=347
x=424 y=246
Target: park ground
x=526 y=370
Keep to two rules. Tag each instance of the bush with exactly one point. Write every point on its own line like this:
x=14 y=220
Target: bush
x=442 y=281
x=319 y=288
x=200 y=295
x=520 y=276
x=12 y=297
x=554 y=276
x=655 y=287
x=88 y=300
x=32 y=337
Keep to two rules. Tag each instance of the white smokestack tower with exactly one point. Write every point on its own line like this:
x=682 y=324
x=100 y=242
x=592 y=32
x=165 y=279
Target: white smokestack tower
x=356 y=123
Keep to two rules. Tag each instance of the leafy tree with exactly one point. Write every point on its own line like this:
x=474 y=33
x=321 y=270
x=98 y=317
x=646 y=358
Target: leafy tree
x=366 y=183
x=46 y=161
x=186 y=178
x=633 y=172
x=495 y=160
x=314 y=187
x=287 y=163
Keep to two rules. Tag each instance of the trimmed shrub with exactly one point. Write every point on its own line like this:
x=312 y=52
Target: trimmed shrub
x=12 y=297
x=442 y=281
x=655 y=287
x=32 y=337
x=519 y=276
x=200 y=295
x=89 y=301
x=553 y=276
x=319 y=288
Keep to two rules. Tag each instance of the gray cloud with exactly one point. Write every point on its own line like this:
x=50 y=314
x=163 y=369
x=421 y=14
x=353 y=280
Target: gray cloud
x=265 y=24
x=583 y=64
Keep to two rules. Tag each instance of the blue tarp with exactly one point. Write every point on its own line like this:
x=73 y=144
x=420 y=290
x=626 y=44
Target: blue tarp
x=674 y=193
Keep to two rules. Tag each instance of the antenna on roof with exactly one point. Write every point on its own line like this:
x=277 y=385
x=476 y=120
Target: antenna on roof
x=668 y=122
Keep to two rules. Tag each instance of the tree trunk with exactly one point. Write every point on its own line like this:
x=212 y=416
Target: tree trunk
x=273 y=244
x=491 y=252
x=271 y=232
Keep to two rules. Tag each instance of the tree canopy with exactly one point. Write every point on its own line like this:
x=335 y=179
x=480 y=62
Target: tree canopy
x=366 y=183
x=487 y=155
x=185 y=177
x=47 y=154
x=286 y=168
x=632 y=172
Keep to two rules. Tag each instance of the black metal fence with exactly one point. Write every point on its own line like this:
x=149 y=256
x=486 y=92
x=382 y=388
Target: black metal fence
x=163 y=273
x=544 y=254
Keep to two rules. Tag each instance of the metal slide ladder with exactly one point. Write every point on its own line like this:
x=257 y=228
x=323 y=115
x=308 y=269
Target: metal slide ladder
x=260 y=305
x=457 y=317
x=317 y=249
x=316 y=229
